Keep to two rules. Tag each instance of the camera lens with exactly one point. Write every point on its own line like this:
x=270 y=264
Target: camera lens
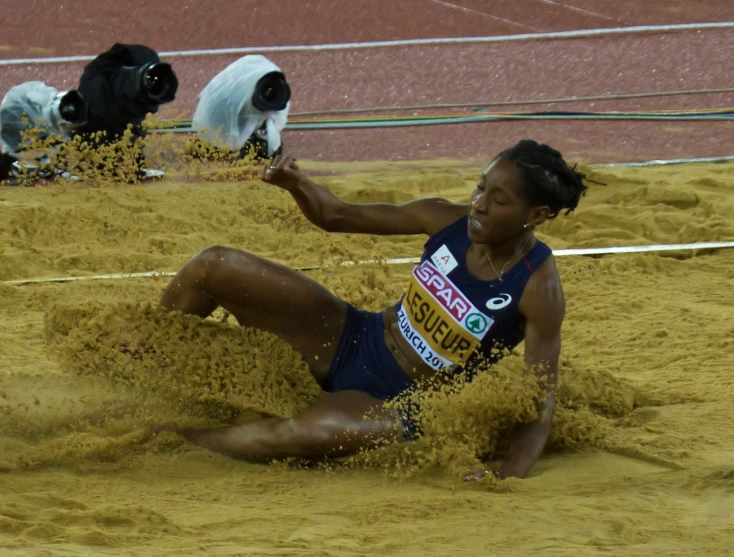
x=69 y=112
x=154 y=83
x=73 y=108
x=159 y=82
x=272 y=92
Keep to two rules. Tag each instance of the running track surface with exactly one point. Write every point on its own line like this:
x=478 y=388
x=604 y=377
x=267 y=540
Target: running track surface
x=424 y=74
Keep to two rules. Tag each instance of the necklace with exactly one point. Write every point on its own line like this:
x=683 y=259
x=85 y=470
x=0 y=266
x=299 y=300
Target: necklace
x=502 y=272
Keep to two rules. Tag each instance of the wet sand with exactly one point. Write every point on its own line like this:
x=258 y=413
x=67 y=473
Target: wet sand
x=640 y=459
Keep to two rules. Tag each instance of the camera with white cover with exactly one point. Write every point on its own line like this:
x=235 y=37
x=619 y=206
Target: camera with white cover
x=245 y=107
x=34 y=111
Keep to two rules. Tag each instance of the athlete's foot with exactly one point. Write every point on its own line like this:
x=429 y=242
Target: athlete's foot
x=125 y=346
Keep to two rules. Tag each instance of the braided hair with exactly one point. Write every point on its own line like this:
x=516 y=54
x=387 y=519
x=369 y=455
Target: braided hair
x=548 y=180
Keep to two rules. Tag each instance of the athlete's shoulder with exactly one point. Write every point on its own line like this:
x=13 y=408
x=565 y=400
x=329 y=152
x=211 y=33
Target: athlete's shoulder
x=440 y=214
x=543 y=294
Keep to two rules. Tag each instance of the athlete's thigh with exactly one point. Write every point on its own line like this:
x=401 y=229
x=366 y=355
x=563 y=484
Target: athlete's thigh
x=275 y=298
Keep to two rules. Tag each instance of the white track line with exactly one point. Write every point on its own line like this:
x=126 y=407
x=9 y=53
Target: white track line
x=484 y=14
x=407 y=42
x=575 y=9
x=401 y=261
x=663 y=162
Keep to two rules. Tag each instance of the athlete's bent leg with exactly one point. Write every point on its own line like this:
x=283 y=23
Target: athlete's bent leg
x=264 y=295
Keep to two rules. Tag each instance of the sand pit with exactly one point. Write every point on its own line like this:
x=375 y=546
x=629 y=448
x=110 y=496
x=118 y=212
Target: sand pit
x=640 y=459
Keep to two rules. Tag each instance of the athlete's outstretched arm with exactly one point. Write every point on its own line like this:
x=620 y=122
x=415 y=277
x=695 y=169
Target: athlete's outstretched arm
x=328 y=212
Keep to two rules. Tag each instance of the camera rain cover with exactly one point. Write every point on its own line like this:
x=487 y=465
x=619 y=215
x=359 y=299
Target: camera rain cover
x=26 y=106
x=226 y=115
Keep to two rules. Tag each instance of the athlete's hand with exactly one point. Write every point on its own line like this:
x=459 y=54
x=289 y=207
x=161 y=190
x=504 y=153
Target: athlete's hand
x=282 y=172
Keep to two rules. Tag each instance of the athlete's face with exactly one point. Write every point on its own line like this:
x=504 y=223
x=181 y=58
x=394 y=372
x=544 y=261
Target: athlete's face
x=499 y=208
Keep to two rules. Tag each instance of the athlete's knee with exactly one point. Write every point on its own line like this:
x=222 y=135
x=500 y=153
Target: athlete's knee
x=216 y=261
x=213 y=256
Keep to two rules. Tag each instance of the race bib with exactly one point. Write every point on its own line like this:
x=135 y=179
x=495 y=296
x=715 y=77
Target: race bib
x=441 y=324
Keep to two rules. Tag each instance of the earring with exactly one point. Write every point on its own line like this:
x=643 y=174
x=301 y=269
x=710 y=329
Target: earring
x=525 y=225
